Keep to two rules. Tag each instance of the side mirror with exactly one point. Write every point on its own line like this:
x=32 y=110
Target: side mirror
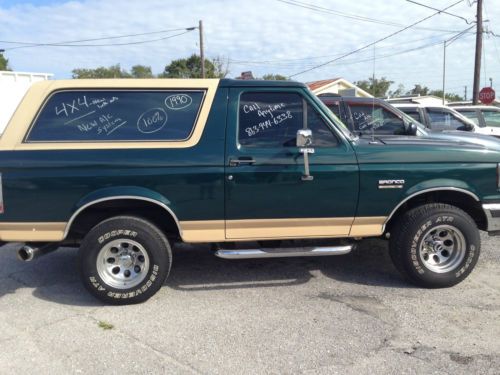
x=304 y=142
x=304 y=138
x=412 y=129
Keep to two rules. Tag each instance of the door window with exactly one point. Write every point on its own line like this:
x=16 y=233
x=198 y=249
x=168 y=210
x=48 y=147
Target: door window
x=443 y=120
x=373 y=117
x=492 y=118
x=272 y=119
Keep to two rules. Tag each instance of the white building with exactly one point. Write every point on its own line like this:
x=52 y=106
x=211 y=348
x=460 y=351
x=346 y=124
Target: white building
x=13 y=86
x=338 y=86
x=426 y=100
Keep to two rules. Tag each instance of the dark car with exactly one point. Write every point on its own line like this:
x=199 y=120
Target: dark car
x=364 y=116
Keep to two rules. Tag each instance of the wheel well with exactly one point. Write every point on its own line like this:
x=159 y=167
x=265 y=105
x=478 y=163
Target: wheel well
x=455 y=198
x=98 y=212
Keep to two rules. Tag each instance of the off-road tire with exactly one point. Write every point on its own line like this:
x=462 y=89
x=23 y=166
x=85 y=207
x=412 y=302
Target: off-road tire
x=143 y=240
x=407 y=237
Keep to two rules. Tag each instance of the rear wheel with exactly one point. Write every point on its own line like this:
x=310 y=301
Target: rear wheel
x=435 y=245
x=124 y=260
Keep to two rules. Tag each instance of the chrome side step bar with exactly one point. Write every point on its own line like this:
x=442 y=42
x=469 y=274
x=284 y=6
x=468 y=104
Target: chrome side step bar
x=284 y=252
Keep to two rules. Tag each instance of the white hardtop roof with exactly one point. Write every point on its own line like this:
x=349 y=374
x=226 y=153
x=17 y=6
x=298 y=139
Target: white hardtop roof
x=470 y=107
x=419 y=105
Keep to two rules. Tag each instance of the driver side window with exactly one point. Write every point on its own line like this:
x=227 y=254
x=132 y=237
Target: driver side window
x=272 y=119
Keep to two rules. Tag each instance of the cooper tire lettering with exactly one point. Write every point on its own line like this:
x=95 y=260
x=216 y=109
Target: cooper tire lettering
x=408 y=249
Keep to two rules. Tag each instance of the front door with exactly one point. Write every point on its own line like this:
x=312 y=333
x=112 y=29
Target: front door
x=266 y=194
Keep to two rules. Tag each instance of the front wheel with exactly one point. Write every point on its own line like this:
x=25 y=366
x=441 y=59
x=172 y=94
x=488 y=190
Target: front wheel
x=435 y=245
x=124 y=260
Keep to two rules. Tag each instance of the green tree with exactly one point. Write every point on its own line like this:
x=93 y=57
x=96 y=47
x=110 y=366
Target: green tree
x=378 y=87
x=274 y=77
x=114 y=71
x=191 y=68
x=141 y=71
x=398 y=92
x=419 y=90
x=449 y=96
x=4 y=63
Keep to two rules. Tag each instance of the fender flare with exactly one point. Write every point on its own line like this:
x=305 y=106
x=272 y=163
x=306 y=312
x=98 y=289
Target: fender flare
x=424 y=191
x=116 y=193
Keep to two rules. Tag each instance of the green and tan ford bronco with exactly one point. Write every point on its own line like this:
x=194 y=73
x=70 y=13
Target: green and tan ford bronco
x=124 y=168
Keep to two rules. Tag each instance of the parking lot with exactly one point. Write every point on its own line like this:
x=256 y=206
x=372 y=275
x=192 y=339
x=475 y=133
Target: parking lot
x=348 y=314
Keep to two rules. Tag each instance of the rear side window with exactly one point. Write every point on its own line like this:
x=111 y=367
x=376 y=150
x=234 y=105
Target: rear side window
x=368 y=117
x=116 y=115
x=272 y=119
x=471 y=115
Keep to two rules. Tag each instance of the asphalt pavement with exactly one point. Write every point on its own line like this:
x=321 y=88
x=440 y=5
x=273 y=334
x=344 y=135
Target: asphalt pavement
x=350 y=314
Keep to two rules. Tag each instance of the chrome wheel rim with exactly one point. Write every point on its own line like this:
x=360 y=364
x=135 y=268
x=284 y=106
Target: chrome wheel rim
x=442 y=249
x=123 y=263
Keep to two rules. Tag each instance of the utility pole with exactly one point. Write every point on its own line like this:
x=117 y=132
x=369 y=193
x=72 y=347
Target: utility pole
x=444 y=72
x=465 y=93
x=202 y=50
x=479 y=47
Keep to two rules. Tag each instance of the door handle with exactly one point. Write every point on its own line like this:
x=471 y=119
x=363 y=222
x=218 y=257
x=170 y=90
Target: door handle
x=241 y=161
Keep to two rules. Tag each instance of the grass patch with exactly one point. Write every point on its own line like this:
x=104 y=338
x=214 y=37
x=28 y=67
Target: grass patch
x=105 y=325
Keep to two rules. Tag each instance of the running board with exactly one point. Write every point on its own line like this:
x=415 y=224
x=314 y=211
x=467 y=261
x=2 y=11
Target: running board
x=279 y=253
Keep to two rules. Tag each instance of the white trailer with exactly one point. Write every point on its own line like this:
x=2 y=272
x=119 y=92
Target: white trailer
x=13 y=86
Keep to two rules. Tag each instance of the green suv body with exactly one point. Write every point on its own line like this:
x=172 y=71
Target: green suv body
x=122 y=168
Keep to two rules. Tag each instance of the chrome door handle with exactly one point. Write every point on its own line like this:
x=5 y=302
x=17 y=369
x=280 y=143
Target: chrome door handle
x=241 y=161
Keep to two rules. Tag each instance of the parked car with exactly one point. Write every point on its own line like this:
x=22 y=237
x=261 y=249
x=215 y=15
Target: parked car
x=259 y=169
x=367 y=116
x=438 y=118
x=486 y=117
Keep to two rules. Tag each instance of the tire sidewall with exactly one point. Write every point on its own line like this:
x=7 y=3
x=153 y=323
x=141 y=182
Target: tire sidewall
x=127 y=229
x=414 y=263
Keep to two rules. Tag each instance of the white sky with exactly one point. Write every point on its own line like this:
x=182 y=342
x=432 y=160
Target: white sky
x=265 y=35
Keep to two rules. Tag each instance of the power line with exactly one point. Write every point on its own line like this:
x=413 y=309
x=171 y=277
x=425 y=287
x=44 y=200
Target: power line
x=448 y=13
x=70 y=43
x=490 y=32
x=279 y=61
x=377 y=41
x=320 y=9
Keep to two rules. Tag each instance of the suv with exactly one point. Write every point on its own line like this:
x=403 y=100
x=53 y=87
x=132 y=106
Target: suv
x=124 y=168
x=486 y=117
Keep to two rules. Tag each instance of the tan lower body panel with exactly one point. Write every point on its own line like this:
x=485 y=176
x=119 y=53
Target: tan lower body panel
x=269 y=229
x=368 y=226
x=220 y=231
x=203 y=231
x=288 y=228
x=32 y=232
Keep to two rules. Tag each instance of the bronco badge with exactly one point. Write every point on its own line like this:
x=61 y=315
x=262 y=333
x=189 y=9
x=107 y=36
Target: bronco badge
x=391 y=184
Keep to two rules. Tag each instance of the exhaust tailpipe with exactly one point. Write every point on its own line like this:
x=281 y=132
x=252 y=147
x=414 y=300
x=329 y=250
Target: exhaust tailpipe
x=29 y=252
